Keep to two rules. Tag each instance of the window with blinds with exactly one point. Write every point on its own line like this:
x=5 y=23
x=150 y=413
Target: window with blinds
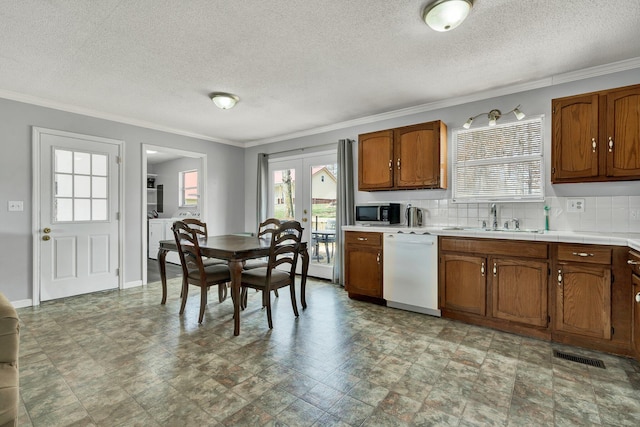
x=499 y=163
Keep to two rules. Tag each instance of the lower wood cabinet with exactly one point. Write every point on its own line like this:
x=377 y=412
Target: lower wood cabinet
x=583 y=300
x=463 y=283
x=363 y=264
x=633 y=263
x=519 y=290
x=483 y=281
x=577 y=294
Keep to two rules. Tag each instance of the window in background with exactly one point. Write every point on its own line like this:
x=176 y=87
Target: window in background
x=499 y=163
x=189 y=188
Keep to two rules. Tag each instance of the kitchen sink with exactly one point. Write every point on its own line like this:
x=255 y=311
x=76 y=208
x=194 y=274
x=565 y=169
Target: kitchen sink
x=502 y=230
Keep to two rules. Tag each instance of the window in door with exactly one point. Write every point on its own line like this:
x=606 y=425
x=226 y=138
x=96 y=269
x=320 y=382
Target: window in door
x=284 y=193
x=80 y=186
x=188 y=188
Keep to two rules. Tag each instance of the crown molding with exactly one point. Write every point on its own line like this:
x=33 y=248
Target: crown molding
x=28 y=99
x=600 y=70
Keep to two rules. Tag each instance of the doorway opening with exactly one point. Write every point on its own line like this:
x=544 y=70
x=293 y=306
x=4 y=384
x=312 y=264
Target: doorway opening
x=174 y=186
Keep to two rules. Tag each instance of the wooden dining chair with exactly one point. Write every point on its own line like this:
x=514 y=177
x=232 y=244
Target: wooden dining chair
x=194 y=272
x=283 y=252
x=265 y=231
x=200 y=228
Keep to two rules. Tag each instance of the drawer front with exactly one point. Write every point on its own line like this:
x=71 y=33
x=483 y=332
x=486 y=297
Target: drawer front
x=634 y=261
x=363 y=238
x=495 y=247
x=591 y=254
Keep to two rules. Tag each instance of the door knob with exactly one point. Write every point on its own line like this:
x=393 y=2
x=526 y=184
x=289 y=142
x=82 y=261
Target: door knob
x=47 y=230
x=45 y=238
x=304 y=219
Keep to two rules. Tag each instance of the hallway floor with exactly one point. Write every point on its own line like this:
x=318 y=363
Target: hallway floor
x=119 y=358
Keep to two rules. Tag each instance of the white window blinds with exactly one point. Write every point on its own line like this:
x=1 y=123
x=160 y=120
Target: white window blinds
x=499 y=163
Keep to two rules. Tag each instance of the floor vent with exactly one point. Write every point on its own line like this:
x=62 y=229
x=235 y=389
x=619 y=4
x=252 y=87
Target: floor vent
x=584 y=360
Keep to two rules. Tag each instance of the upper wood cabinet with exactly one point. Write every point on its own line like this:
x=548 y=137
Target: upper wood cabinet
x=596 y=136
x=409 y=157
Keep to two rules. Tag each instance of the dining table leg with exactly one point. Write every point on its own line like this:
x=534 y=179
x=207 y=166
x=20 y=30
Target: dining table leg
x=162 y=256
x=303 y=280
x=235 y=268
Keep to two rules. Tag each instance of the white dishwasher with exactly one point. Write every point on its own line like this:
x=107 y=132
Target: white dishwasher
x=410 y=272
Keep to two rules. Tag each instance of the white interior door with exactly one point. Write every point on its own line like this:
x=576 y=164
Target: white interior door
x=78 y=230
x=304 y=189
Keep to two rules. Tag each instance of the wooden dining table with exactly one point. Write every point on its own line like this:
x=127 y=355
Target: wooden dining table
x=235 y=249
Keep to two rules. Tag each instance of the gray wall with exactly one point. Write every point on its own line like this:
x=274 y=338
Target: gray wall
x=533 y=102
x=225 y=186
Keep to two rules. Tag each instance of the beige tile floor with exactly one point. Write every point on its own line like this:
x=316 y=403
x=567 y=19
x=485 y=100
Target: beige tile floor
x=121 y=359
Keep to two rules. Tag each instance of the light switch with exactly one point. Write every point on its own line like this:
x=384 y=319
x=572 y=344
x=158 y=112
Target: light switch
x=16 y=206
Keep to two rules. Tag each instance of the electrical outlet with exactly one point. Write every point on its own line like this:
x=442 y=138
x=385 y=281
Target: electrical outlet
x=575 y=205
x=634 y=214
x=15 y=206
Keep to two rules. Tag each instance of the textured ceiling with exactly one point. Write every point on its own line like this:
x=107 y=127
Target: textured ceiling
x=296 y=64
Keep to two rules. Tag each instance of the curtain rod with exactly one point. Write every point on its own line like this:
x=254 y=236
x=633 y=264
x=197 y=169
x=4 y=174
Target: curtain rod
x=301 y=150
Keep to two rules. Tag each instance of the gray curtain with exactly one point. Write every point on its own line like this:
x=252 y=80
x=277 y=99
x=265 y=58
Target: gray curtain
x=344 y=205
x=262 y=188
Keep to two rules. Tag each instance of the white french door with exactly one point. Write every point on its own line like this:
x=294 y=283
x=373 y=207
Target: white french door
x=304 y=189
x=76 y=240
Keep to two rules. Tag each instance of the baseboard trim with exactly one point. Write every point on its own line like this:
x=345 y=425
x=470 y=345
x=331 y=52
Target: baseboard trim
x=22 y=303
x=134 y=284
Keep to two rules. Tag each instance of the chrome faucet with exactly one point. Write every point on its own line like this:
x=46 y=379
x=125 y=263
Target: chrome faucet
x=494 y=214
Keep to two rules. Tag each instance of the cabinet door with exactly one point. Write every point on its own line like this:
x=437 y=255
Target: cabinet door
x=463 y=283
x=519 y=290
x=575 y=140
x=636 y=313
x=417 y=156
x=363 y=270
x=583 y=300
x=623 y=133
x=375 y=153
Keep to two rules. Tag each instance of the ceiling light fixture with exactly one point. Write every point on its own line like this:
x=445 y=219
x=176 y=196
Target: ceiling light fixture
x=494 y=115
x=445 y=15
x=224 y=100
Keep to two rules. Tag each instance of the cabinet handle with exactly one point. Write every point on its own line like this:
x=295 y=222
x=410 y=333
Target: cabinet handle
x=482 y=269
x=559 y=277
x=398 y=163
x=362 y=239
x=582 y=254
x=378 y=258
x=638 y=297
x=593 y=144
x=495 y=269
x=390 y=164
x=610 y=144
x=632 y=262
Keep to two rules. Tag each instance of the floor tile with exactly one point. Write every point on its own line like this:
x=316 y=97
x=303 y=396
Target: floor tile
x=120 y=358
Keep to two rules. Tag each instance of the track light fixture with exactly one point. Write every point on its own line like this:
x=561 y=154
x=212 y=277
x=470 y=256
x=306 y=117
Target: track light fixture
x=494 y=115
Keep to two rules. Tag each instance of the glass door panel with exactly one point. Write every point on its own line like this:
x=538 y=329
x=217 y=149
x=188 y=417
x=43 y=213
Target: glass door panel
x=323 y=174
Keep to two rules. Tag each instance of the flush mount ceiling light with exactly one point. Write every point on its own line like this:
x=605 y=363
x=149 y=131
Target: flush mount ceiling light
x=494 y=115
x=224 y=100
x=445 y=15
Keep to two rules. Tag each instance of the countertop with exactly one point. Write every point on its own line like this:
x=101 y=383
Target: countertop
x=631 y=240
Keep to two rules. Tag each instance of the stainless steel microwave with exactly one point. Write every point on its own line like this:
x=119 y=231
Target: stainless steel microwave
x=380 y=214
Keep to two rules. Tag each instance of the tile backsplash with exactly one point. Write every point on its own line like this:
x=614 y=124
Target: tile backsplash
x=617 y=214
